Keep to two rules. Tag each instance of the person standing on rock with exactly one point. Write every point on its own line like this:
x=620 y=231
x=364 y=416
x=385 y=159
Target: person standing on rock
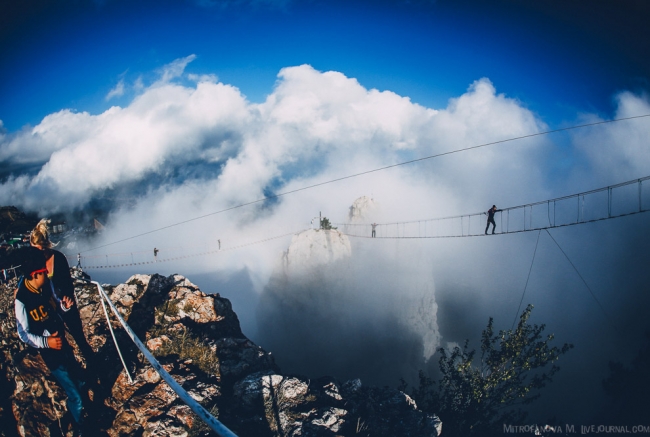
x=40 y=325
x=61 y=284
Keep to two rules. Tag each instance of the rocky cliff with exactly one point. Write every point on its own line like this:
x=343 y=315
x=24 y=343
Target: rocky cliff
x=198 y=340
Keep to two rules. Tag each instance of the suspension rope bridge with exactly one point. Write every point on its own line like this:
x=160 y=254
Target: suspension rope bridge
x=387 y=167
x=613 y=201
x=623 y=199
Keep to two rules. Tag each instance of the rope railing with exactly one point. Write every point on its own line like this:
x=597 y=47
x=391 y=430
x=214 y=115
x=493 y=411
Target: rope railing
x=197 y=408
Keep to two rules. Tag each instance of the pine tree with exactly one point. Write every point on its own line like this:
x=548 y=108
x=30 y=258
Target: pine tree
x=325 y=224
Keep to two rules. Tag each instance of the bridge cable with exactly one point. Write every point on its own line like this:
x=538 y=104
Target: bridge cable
x=586 y=285
x=526 y=286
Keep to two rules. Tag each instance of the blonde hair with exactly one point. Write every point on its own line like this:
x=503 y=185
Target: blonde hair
x=40 y=236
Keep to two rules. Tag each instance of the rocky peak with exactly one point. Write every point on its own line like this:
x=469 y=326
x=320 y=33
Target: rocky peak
x=362 y=209
x=198 y=340
x=313 y=248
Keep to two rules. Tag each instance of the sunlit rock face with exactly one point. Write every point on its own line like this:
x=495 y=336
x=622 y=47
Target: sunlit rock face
x=362 y=210
x=351 y=307
x=313 y=248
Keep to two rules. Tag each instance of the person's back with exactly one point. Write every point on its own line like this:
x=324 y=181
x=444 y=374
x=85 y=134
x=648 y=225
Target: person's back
x=59 y=275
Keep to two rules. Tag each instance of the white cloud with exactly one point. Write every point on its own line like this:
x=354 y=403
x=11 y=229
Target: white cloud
x=117 y=91
x=616 y=152
x=174 y=69
x=138 y=85
x=203 y=78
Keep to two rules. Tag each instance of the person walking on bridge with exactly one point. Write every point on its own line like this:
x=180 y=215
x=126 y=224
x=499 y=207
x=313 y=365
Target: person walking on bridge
x=490 y=213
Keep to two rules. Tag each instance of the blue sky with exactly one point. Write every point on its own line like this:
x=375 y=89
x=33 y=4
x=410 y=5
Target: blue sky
x=557 y=59
x=162 y=111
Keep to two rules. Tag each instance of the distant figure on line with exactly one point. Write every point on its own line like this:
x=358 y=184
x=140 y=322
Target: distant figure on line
x=155 y=254
x=490 y=213
x=219 y=241
x=374 y=226
x=79 y=260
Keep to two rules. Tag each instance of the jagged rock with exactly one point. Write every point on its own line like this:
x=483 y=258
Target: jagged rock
x=198 y=340
x=362 y=209
x=315 y=247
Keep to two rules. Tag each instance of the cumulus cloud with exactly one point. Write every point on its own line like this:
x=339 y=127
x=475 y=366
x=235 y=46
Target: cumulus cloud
x=619 y=151
x=314 y=126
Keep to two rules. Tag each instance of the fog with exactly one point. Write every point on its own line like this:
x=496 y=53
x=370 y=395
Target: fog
x=187 y=147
